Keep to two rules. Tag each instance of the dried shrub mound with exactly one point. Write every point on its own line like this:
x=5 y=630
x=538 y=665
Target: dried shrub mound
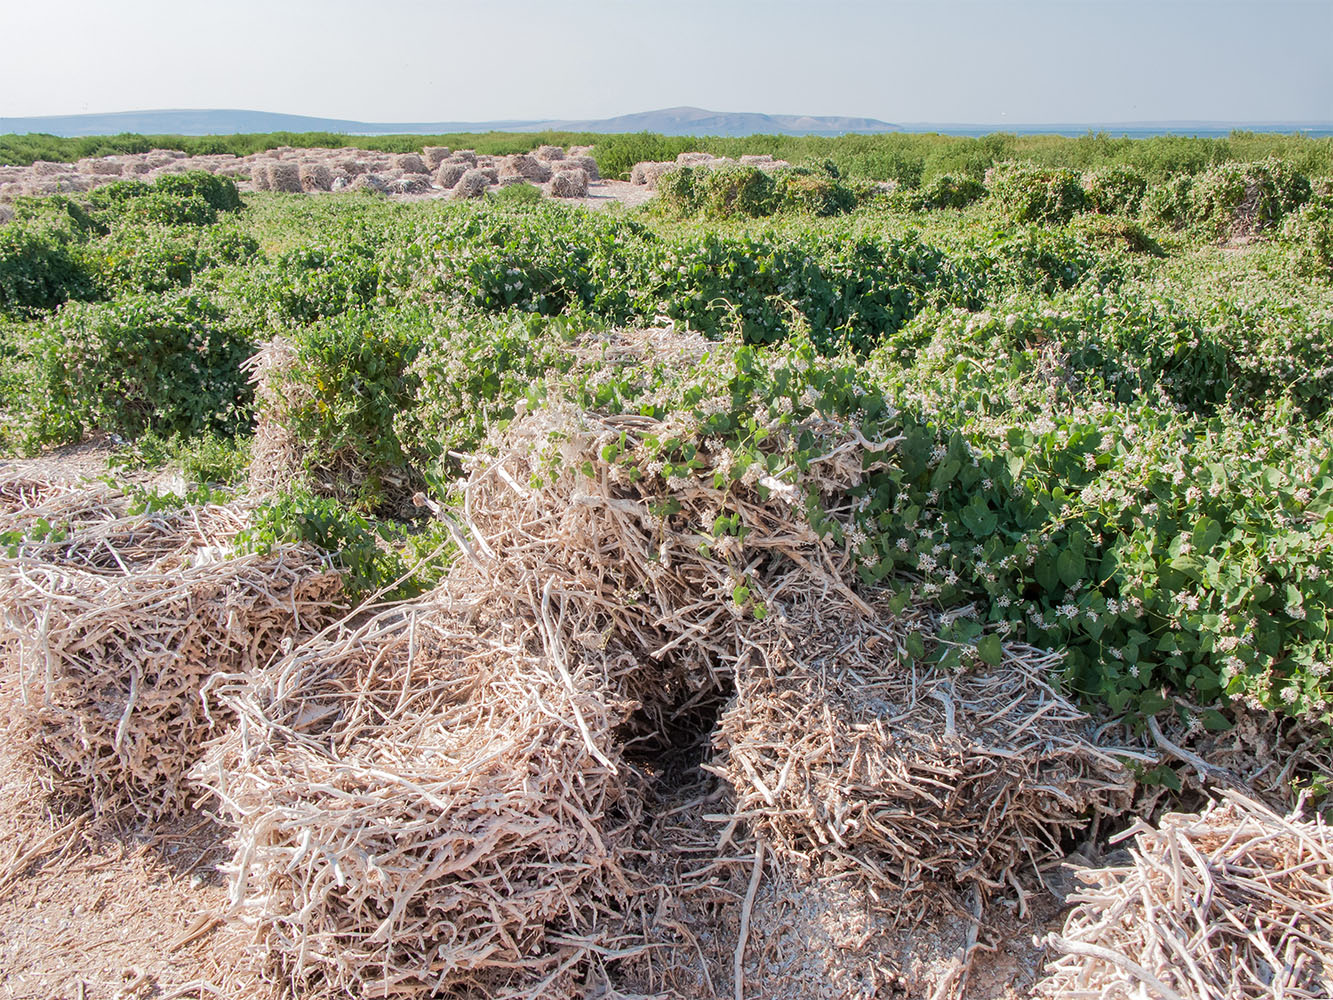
x=410 y=184
x=410 y=163
x=462 y=794
x=1230 y=904
x=472 y=184
x=466 y=156
x=550 y=154
x=118 y=621
x=648 y=172
x=435 y=155
x=277 y=456
x=448 y=174
x=525 y=166
x=369 y=182
x=259 y=176
x=585 y=163
x=838 y=744
x=316 y=177
x=569 y=184
x=284 y=177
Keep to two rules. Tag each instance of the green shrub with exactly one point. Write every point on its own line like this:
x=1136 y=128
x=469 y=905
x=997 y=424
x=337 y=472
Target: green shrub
x=156 y=258
x=158 y=208
x=362 y=549
x=1111 y=233
x=207 y=461
x=1310 y=234
x=813 y=192
x=38 y=271
x=1245 y=198
x=1028 y=193
x=950 y=191
x=468 y=377
x=219 y=192
x=170 y=364
x=1116 y=190
x=307 y=284
x=348 y=380
x=518 y=194
x=57 y=216
x=113 y=196
x=1168 y=203
x=718 y=192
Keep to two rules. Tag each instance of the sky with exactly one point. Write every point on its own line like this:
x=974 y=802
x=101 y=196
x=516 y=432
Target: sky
x=996 y=62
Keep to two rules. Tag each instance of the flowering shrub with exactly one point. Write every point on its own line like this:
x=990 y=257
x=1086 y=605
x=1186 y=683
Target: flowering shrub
x=167 y=363
x=1028 y=193
x=1115 y=190
x=1310 y=232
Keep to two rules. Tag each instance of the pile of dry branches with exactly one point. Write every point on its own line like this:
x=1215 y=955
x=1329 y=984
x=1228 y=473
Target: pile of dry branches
x=277 y=456
x=838 y=743
x=1234 y=903
x=426 y=803
x=116 y=623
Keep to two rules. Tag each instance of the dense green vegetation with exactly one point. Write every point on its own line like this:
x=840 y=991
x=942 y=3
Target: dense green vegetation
x=1107 y=367
x=908 y=158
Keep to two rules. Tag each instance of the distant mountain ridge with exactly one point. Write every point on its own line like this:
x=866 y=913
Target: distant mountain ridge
x=670 y=121
x=667 y=121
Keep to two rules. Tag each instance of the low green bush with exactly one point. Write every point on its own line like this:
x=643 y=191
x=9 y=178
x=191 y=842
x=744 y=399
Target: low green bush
x=306 y=284
x=1168 y=203
x=166 y=363
x=362 y=549
x=39 y=271
x=220 y=192
x=1310 y=234
x=1116 y=190
x=1028 y=193
x=950 y=191
x=348 y=380
x=1110 y=233
x=158 y=258
x=1245 y=198
x=518 y=194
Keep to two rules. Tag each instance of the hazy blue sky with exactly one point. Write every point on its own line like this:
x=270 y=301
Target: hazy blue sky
x=457 y=60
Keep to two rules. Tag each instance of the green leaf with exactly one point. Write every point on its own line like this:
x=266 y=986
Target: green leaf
x=1215 y=722
x=1071 y=566
x=990 y=650
x=916 y=645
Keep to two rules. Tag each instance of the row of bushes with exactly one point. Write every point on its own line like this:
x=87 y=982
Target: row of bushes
x=748 y=192
x=126 y=235
x=1230 y=199
x=849 y=289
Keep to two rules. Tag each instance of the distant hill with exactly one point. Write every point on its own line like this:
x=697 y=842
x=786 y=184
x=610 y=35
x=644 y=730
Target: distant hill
x=671 y=121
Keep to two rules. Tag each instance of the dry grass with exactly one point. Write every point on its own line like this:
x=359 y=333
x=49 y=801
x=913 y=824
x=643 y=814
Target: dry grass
x=648 y=172
x=585 y=163
x=427 y=804
x=284 y=177
x=569 y=184
x=316 y=177
x=448 y=175
x=472 y=184
x=410 y=163
x=277 y=457
x=116 y=622
x=839 y=743
x=435 y=155
x=525 y=166
x=1231 y=904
